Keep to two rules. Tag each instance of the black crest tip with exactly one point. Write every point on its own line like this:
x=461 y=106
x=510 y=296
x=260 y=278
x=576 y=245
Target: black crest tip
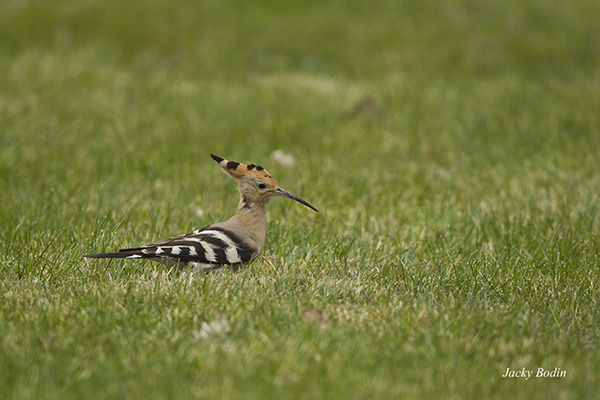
x=232 y=164
x=216 y=158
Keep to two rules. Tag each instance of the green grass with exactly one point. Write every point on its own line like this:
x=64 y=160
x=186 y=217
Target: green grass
x=459 y=231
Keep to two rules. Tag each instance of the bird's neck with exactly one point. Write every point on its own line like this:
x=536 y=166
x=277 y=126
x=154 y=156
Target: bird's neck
x=252 y=218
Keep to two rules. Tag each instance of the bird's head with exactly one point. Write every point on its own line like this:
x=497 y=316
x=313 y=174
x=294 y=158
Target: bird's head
x=255 y=184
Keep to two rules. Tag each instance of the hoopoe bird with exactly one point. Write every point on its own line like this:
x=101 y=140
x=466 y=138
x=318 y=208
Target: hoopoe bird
x=233 y=242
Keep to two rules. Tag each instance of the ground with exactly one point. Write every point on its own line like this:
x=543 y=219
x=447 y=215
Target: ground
x=452 y=150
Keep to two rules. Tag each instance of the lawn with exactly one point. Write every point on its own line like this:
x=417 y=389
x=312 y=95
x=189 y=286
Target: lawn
x=452 y=149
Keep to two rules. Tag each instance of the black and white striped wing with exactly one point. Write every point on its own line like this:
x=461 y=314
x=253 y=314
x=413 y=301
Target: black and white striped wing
x=207 y=245
x=204 y=249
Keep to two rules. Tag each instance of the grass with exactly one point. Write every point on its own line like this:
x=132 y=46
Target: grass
x=451 y=148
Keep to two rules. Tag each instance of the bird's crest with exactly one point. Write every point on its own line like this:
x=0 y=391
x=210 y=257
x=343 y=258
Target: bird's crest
x=241 y=171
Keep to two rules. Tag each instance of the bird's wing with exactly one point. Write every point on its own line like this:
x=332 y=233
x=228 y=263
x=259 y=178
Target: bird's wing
x=210 y=246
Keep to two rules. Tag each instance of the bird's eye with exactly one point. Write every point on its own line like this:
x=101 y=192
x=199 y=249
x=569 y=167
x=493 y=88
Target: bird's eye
x=262 y=186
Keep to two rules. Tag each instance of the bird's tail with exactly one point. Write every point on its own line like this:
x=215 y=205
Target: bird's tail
x=124 y=253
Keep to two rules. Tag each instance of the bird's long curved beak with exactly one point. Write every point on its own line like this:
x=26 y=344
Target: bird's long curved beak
x=284 y=193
